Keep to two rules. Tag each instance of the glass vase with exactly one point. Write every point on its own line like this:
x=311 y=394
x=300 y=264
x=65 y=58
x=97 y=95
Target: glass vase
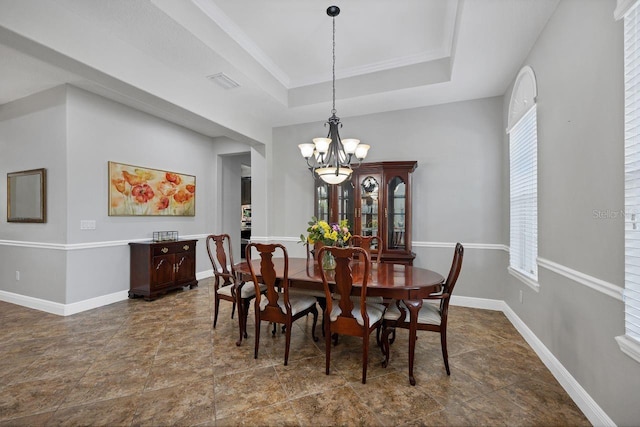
x=328 y=261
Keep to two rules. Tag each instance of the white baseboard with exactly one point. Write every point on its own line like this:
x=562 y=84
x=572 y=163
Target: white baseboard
x=92 y=303
x=204 y=274
x=76 y=307
x=59 y=308
x=483 y=303
x=585 y=402
x=31 y=302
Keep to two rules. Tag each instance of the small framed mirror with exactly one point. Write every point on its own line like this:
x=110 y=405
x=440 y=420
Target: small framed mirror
x=27 y=196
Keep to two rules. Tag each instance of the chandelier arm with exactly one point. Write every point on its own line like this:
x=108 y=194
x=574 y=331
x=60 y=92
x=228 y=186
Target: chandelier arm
x=326 y=159
x=311 y=166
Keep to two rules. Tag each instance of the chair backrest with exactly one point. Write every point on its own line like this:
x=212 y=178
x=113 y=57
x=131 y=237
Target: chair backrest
x=221 y=257
x=344 y=279
x=372 y=244
x=268 y=274
x=452 y=277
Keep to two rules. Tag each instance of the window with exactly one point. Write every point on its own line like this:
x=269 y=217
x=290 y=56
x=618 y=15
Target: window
x=523 y=179
x=630 y=342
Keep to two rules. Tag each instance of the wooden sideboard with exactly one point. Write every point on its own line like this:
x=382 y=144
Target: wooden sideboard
x=158 y=267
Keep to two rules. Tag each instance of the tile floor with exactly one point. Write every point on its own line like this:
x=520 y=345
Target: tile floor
x=160 y=363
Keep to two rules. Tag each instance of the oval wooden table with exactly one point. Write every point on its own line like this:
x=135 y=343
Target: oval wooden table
x=390 y=281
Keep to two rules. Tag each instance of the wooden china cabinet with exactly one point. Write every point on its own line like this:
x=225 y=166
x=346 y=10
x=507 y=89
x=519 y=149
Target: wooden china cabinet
x=377 y=202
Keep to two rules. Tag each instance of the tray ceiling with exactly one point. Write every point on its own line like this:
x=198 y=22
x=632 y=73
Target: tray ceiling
x=389 y=54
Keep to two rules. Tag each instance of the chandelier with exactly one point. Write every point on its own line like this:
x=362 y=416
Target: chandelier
x=330 y=158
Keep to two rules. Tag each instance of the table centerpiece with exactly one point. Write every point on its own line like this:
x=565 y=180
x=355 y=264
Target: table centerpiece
x=321 y=233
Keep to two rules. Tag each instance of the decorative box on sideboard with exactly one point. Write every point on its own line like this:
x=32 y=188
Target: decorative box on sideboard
x=159 y=267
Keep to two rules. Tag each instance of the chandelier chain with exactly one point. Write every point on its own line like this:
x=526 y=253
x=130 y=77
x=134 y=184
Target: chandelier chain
x=333 y=110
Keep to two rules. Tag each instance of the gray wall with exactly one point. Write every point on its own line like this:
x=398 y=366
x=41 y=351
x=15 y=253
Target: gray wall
x=33 y=135
x=74 y=134
x=100 y=130
x=579 y=73
x=457 y=187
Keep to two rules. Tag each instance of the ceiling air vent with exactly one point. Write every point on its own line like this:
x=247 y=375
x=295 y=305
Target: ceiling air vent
x=223 y=81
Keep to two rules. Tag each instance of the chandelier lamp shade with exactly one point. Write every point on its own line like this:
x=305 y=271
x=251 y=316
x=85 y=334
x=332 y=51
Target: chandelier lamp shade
x=331 y=158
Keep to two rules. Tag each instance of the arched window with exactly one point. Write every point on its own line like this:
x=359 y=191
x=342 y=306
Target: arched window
x=523 y=178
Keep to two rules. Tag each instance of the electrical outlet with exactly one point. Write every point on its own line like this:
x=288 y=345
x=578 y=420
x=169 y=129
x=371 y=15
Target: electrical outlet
x=17 y=275
x=521 y=296
x=87 y=224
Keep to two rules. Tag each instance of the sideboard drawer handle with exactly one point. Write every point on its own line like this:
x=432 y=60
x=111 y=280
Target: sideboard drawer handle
x=185 y=247
x=164 y=250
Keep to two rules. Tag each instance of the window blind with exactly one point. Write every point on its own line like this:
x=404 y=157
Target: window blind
x=632 y=173
x=523 y=154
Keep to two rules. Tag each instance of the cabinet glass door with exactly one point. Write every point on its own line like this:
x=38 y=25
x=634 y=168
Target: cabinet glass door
x=346 y=203
x=369 y=202
x=396 y=214
x=322 y=200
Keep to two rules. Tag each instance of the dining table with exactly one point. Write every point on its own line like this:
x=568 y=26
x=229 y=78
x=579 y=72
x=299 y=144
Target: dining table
x=389 y=281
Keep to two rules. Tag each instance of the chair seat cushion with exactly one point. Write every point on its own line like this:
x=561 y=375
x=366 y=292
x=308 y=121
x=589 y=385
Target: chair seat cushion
x=429 y=313
x=298 y=302
x=248 y=290
x=374 y=311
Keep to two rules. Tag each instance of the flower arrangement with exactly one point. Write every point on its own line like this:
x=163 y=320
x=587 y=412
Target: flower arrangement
x=329 y=234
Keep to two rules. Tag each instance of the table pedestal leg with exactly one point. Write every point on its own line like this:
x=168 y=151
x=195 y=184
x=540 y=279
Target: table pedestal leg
x=414 y=307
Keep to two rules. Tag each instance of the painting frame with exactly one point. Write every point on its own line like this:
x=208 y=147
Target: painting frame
x=143 y=191
x=27 y=196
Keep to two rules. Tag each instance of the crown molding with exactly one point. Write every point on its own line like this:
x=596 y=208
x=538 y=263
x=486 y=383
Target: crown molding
x=213 y=12
x=228 y=26
x=373 y=67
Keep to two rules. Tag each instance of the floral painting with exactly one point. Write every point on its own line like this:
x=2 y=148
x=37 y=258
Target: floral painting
x=135 y=190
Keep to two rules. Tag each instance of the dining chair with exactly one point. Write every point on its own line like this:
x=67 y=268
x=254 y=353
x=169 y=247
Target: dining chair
x=227 y=286
x=344 y=316
x=318 y=294
x=312 y=252
x=433 y=314
x=372 y=244
x=277 y=305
